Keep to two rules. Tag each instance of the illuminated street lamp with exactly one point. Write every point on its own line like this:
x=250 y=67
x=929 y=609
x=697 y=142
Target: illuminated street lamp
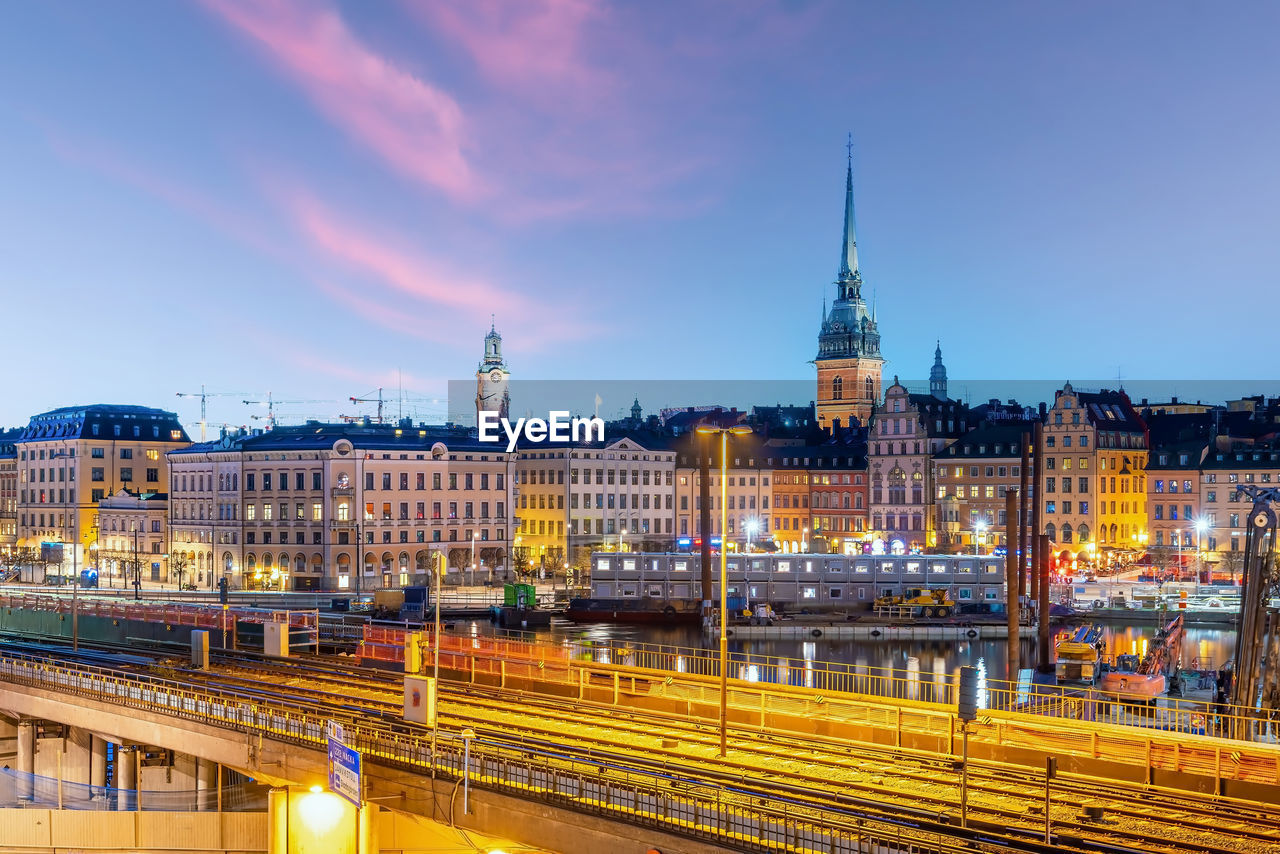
x=752 y=526
x=1201 y=525
x=979 y=530
x=622 y=532
x=725 y=432
x=804 y=542
x=473 y=557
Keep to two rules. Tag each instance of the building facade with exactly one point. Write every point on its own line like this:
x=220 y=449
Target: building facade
x=70 y=459
x=972 y=476
x=8 y=495
x=1094 y=485
x=132 y=543
x=907 y=431
x=575 y=499
x=848 y=361
x=1227 y=466
x=343 y=507
x=749 y=489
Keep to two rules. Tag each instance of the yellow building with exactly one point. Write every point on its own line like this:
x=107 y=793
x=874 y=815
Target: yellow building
x=1094 y=485
x=848 y=361
x=70 y=459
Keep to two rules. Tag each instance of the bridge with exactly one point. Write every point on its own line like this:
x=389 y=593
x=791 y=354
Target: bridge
x=563 y=750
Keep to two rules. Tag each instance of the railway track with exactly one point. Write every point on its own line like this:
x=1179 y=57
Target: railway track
x=930 y=780
x=883 y=784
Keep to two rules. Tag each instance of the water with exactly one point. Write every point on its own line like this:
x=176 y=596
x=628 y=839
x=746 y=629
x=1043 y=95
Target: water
x=1204 y=648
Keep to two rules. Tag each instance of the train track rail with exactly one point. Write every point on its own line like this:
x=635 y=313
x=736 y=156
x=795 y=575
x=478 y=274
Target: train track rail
x=884 y=784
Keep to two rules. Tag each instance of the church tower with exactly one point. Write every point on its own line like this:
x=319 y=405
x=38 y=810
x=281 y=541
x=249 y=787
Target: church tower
x=492 y=378
x=848 y=361
x=938 y=375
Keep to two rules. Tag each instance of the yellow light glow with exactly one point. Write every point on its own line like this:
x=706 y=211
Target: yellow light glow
x=315 y=790
x=320 y=812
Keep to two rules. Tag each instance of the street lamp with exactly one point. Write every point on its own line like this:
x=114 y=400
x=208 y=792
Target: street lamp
x=622 y=532
x=473 y=558
x=752 y=526
x=725 y=432
x=979 y=530
x=1201 y=525
x=804 y=542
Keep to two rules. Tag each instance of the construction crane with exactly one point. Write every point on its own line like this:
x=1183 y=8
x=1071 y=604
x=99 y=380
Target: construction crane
x=204 y=398
x=271 y=403
x=1255 y=675
x=378 y=400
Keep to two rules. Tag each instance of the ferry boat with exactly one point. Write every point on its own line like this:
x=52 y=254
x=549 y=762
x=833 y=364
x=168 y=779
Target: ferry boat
x=641 y=609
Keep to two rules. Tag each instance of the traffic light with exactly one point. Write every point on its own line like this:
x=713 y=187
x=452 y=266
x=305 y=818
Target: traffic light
x=967 y=708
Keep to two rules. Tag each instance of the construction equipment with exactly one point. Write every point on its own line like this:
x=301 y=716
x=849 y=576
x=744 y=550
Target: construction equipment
x=916 y=602
x=1143 y=681
x=1078 y=656
x=1255 y=676
x=204 y=398
x=378 y=400
x=271 y=404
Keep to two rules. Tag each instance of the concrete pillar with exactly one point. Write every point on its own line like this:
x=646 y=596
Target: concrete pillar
x=98 y=761
x=206 y=784
x=26 y=759
x=126 y=768
x=77 y=760
x=367 y=830
x=278 y=821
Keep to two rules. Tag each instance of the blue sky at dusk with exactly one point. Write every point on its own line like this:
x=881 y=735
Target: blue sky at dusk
x=317 y=198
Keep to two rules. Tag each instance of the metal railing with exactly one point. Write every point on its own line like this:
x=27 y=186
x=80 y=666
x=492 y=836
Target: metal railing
x=19 y=790
x=603 y=785
x=938 y=688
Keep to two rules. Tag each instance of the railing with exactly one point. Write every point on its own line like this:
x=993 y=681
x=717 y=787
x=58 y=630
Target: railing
x=936 y=688
x=210 y=616
x=19 y=790
x=605 y=784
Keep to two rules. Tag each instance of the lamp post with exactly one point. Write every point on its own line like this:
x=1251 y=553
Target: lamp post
x=622 y=532
x=1200 y=526
x=473 y=558
x=979 y=529
x=804 y=542
x=137 y=568
x=725 y=432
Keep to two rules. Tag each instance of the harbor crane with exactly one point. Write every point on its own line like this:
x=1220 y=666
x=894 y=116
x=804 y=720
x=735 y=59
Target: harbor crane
x=204 y=400
x=1255 y=677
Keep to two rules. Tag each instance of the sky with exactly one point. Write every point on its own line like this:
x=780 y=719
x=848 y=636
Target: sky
x=316 y=198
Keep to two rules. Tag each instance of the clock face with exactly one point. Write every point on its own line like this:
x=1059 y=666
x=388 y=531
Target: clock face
x=495 y=375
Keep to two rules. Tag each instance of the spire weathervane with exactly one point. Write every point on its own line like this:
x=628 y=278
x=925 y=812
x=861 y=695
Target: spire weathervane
x=850 y=279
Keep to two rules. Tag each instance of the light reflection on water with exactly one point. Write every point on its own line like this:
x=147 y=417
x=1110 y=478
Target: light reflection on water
x=1205 y=647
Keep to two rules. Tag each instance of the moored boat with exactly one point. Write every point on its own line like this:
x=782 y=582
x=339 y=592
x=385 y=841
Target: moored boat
x=642 y=609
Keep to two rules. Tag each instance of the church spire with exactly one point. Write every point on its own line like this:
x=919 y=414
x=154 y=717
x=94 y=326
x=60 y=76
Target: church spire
x=850 y=279
x=938 y=375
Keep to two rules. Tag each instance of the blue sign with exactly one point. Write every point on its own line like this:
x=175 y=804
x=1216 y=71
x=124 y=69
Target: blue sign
x=344 y=771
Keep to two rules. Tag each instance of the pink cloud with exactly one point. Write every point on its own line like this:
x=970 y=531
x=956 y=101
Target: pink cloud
x=533 y=45
x=417 y=128
x=405 y=271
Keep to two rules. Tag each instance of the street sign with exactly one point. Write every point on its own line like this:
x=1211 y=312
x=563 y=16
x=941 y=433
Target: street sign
x=344 y=766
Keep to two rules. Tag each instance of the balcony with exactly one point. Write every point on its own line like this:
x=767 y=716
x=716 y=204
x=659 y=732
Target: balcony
x=338 y=491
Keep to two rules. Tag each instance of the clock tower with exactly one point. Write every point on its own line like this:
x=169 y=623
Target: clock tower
x=848 y=361
x=492 y=378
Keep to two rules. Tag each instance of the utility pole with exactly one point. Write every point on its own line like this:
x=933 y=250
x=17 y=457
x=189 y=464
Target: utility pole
x=1024 y=505
x=704 y=518
x=1037 y=508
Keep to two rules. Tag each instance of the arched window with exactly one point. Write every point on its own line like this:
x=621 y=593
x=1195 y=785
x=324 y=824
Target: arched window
x=1051 y=532
x=837 y=388
x=1066 y=533
x=871 y=389
x=1082 y=534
